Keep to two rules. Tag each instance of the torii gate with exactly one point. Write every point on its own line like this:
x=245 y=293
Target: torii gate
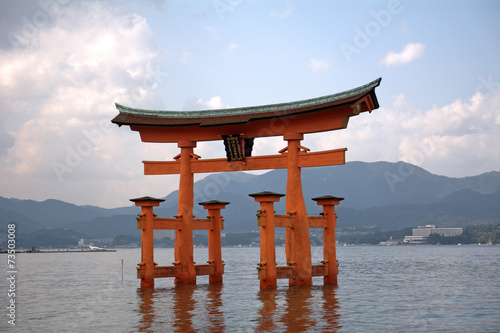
x=238 y=127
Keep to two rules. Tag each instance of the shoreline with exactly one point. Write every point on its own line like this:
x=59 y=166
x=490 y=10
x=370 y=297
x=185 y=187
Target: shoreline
x=61 y=251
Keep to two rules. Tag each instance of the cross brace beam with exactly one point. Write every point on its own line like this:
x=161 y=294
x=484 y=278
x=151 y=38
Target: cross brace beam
x=288 y=272
x=306 y=159
x=176 y=223
x=288 y=221
x=174 y=271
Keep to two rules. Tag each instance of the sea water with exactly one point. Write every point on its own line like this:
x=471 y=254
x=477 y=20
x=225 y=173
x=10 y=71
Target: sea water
x=380 y=289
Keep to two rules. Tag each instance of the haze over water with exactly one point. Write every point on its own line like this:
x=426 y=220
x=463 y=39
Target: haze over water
x=381 y=289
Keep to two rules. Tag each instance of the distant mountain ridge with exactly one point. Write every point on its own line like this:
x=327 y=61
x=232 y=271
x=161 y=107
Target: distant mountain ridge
x=391 y=195
x=461 y=208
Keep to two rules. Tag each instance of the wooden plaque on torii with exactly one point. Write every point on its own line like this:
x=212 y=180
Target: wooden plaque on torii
x=237 y=127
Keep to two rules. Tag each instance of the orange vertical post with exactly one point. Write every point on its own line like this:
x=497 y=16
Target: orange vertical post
x=267 y=266
x=214 y=239
x=298 y=245
x=147 y=239
x=183 y=251
x=329 y=248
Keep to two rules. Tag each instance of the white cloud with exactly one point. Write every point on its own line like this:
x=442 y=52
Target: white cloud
x=454 y=138
x=230 y=49
x=410 y=52
x=212 y=31
x=60 y=87
x=319 y=65
x=186 y=56
x=56 y=102
x=287 y=11
x=216 y=103
x=450 y=140
x=194 y=103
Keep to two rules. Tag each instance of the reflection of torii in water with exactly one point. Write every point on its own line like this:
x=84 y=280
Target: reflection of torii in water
x=284 y=310
x=238 y=127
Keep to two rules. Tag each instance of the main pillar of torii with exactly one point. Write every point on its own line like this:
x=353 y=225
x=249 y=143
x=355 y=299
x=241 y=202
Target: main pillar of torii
x=238 y=127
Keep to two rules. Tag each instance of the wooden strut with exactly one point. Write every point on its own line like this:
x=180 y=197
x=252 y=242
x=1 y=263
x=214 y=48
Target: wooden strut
x=147 y=222
x=269 y=272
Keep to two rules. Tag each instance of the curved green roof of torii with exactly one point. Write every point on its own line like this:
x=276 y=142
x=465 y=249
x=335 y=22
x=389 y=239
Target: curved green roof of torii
x=134 y=116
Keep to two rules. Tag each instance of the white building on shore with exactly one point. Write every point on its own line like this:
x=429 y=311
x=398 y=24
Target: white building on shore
x=420 y=234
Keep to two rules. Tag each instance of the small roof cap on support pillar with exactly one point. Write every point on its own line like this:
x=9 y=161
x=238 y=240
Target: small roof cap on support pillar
x=328 y=200
x=147 y=198
x=327 y=197
x=266 y=196
x=147 y=201
x=213 y=202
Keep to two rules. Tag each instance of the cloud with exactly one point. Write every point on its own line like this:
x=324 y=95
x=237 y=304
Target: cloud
x=455 y=137
x=58 y=87
x=287 y=11
x=450 y=140
x=186 y=56
x=57 y=93
x=319 y=65
x=212 y=31
x=410 y=52
x=194 y=103
x=230 y=49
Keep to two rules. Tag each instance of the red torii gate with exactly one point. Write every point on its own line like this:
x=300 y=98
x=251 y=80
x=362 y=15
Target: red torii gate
x=238 y=127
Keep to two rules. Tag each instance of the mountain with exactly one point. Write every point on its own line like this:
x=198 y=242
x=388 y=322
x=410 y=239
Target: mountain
x=461 y=208
x=390 y=195
x=51 y=213
x=363 y=185
x=107 y=226
x=27 y=225
x=33 y=215
x=382 y=188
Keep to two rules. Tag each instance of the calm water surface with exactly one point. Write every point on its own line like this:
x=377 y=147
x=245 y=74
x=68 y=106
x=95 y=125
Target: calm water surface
x=381 y=289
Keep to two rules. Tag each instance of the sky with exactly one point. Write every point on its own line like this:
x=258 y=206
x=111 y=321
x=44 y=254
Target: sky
x=64 y=63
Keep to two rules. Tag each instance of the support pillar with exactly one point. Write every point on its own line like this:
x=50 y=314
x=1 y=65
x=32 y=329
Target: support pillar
x=184 y=237
x=267 y=266
x=214 y=239
x=298 y=245
x=147 y=239
x=329 y=248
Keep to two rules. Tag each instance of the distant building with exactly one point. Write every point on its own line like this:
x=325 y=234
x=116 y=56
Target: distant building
x=420 y=234
x=161 y=234
x=390 y=241
x=415 y=240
